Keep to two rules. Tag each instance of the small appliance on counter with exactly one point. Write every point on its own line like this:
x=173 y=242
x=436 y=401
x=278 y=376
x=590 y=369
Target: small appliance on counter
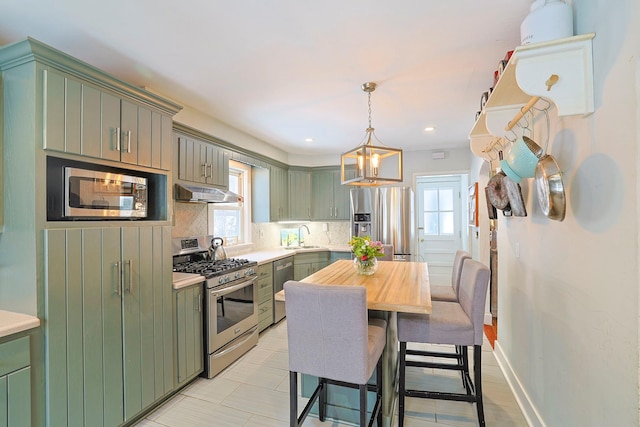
x=230 y=302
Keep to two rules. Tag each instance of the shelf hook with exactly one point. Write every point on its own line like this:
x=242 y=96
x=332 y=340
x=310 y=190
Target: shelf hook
x=553 y=79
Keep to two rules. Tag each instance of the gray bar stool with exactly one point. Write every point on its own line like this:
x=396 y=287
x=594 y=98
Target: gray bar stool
x=388 y=253
x=450 y=292
x=457 y=323
x=331 y=338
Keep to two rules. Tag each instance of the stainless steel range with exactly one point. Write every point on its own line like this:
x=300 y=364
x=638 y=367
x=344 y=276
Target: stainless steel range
x=231 y=301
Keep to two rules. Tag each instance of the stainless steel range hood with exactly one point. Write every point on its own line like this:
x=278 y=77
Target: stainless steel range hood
x=192 y=193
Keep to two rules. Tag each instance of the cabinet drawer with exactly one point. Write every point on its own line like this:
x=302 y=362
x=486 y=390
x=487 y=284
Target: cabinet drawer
x=14 y=355
x=265 y=271
x=264 y=295
x=265 y=312
x=322 y=256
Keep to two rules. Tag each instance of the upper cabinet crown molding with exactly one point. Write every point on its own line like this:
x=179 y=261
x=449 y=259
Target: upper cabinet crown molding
x=30 y=49
x=528 y=75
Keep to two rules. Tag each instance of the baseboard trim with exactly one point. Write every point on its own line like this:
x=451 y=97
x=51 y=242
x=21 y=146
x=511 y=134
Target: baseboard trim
x=531 y=414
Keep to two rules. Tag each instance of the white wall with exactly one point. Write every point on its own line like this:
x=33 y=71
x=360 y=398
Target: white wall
x=568 y=304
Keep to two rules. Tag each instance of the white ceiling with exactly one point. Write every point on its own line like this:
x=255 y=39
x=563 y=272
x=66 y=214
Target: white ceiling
x=286 y=70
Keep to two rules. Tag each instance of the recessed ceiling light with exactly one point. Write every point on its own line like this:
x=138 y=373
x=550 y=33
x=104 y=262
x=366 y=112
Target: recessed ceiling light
x=308 y=140
x=429 y=129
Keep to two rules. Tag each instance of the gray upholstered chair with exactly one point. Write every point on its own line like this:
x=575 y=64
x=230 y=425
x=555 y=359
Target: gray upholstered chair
x=450 y=292
x=388 y=253
x=458 y=323
x=330 y=337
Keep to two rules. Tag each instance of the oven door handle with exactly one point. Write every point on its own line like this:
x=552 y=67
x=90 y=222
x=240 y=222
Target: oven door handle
x=221 y=292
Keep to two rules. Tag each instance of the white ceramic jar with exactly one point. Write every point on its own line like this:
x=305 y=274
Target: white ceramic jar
x=547 y=20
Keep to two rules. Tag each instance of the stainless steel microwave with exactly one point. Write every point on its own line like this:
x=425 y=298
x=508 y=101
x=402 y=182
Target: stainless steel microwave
x=104 y=194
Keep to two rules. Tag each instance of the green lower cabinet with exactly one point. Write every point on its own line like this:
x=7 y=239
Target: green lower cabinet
x=189 y=333
x=108 y=323
x=15 y=383
x=265 y=296
x=306 y=264
x=335 y=256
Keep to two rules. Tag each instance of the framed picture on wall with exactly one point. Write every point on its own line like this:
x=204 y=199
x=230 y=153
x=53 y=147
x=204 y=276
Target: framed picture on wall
x=473 y=205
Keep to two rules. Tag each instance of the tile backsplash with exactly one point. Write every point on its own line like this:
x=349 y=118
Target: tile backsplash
x=190 y=219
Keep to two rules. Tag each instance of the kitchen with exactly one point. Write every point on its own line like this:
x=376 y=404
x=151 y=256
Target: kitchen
x=569 y=297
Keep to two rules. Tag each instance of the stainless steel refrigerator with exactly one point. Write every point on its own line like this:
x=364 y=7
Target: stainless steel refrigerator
x=386 y=214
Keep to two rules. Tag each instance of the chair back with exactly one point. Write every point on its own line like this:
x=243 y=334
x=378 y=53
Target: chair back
x=472 y=295
x=458 y=261
x=388 y=253
x=327 y=328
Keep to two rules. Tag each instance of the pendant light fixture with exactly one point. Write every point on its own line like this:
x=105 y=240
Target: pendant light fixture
x=368 y=164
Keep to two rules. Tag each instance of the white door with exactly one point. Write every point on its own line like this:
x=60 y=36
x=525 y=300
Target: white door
x=439 y=234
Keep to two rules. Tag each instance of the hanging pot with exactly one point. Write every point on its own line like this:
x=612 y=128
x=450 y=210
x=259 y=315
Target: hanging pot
x=551 y=195
x=497 y=192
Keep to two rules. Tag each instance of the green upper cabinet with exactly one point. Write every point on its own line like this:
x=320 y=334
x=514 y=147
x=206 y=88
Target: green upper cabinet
x=82 y=118
x=203 y=163
x=299 y=194
x=278 y=193
x=330 y=198
x=109 y=323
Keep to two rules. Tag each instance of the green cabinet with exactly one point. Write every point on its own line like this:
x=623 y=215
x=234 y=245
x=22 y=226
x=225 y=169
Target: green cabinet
x=81 y=118
x=330 y=198
x=109 y=323
x=308 y=263
x=189 y=332
x=202 y=163
x=278 y=193
x=15 y=383
x=335 y=256
x=265 y=296
x=299 y=194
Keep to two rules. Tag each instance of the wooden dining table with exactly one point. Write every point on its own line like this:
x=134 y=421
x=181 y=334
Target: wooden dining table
x=396 y=286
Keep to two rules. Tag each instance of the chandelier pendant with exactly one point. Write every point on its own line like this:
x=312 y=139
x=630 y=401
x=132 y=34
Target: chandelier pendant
x=369 y=164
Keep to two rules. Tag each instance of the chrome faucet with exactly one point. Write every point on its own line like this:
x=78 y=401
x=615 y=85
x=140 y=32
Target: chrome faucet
x=300 y=236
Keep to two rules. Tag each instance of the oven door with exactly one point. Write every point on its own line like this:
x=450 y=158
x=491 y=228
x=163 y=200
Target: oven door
x=231 y=311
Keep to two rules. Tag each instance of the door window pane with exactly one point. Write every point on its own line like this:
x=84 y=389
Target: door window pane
x=431 y=223
x=446 y=222
x=431 y=200
x=446 y=199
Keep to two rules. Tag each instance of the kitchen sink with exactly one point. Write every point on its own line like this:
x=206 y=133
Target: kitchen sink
x=302 y=247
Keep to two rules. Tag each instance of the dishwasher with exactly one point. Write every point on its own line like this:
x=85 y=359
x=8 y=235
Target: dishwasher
x=282 y=271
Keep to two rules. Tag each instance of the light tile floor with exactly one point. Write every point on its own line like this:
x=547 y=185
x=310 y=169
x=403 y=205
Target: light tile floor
x=254 y=392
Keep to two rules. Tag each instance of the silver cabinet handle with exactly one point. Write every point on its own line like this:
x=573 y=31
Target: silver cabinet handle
x=129 y=287
x=210 y=166
x=198 y=303
x=119 y=281
x=128 y=141
x=118 y=136
x=204 y=170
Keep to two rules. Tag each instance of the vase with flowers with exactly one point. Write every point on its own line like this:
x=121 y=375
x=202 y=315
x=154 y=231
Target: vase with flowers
x=366 y=254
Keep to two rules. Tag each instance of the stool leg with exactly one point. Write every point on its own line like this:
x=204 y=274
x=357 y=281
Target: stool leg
x=465 y=369
x=477 y=361
x=293 y=399
x=363 y=405
x=379 y=389
x=403 y=356
x=322 y=404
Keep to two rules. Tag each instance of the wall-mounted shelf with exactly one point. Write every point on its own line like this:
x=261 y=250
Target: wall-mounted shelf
x=527 y=75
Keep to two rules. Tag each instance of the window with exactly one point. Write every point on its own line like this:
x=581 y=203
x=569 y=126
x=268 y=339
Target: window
x=232 y=221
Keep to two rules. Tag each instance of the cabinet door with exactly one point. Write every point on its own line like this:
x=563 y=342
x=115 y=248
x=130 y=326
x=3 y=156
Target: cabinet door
x=299 y=195
x=148 y=314
x=278 y=193
x=341 y=202
x=217 y=167
x=189 y=332
x=322 y=191
x=84 y=346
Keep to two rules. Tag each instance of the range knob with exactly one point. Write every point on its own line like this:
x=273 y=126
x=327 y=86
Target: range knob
x=249 y=272
x=237 y=275
x=221 y=280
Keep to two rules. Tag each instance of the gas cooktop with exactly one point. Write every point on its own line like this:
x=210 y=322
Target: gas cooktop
x=211 y=268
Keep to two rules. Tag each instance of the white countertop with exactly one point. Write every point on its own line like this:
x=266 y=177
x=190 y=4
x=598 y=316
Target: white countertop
x=11 y=323
x=269 y=255
x=182 y=280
